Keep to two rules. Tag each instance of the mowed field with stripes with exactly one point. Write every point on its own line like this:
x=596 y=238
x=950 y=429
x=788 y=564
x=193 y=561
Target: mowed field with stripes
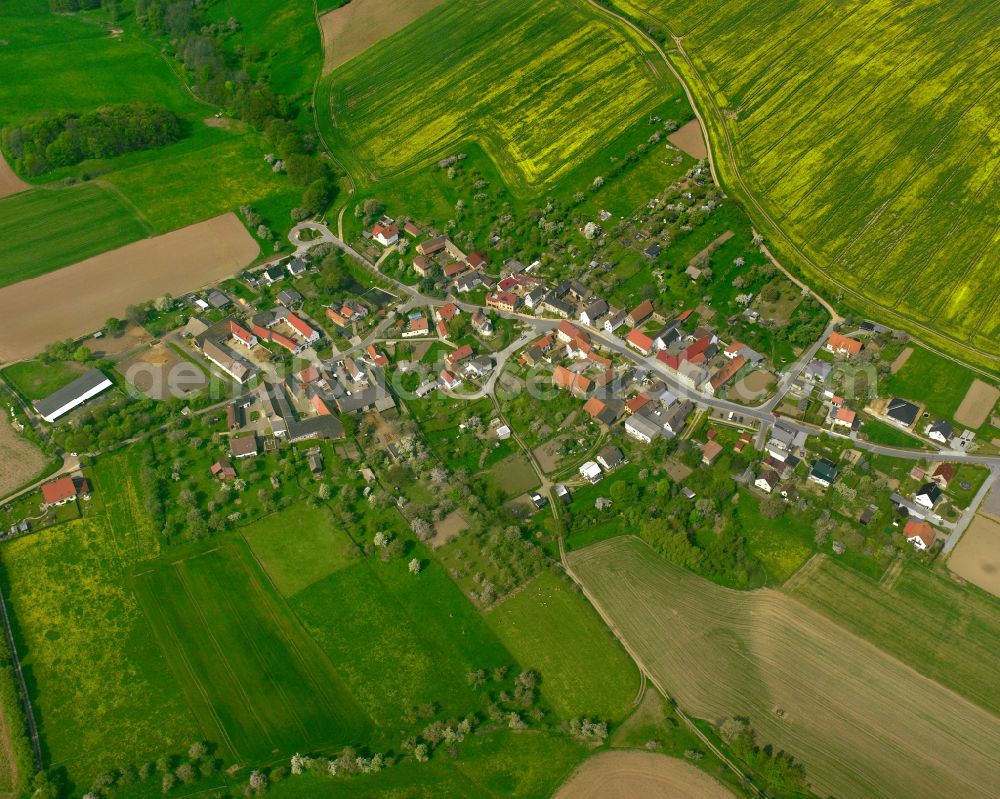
x=869 y=133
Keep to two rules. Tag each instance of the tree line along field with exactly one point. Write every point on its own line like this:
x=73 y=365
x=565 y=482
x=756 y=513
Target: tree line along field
x=541 y=86
x=861 y=722
x=284 y=637
x=866 y=132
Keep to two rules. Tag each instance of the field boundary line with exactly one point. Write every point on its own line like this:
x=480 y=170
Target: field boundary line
x=805 y=571
x=648 y=674
x=117 y=192
x=29 y=713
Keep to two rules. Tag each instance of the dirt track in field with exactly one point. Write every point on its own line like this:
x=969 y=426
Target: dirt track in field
x=9 y=182
x=77 y=299
x=857 y=718
x=978 y=404
x=977 y=556
x=639 y=775
x=20 y=460
x=350 y=30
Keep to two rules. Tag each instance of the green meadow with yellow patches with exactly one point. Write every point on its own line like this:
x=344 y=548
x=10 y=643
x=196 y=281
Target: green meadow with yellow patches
x=541 y=85
x=869 y=134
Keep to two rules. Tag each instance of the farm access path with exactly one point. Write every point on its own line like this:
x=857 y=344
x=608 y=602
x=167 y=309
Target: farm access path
x=733 y=164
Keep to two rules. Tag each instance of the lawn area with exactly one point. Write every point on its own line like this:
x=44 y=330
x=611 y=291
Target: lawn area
x=42 y=229
x=184 y=187
x=848 y=129
x=782 y=546
x=562 y=81
x=513 y=475
x=551 y=628
x=945 y=631
x=102 y=690
x=400 y=640
x=299 y=546
x=248 y=669
x=54 y=63
x=879 y=432
x=935 y=381
x=35 y=379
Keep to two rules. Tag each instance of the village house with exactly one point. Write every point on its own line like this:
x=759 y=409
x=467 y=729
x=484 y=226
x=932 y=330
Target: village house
x=590 y=471
x=242 y=336
x=920 y=534
x=818 y=371
x=503 y=301
x=423 y=265
x=902 y=412
x=467 y=283
x=823 y=472
x=449 y=381
x=640 y=341
x=478 y=366
x=417 y=327
x=725 y=374
x=432 y=246
x=943 y=475
x=447 y=312
x=243 y=447
x=481 y=323
x=604 y=413
x=289 y=297
x=710 y=450
x=386 y=235
x=533 y=299
x=63 y=490
x=843 y=345
x=223 y=470
x=237 y=368
x=272 y=275
x=455 y=269
x=642 y=428
x=610 y=457
x=767 y=481
x=295 y=267
x=593 y=312
x=476 y=260
x=557 y=306
x=940 y=431
x=455 y=357
x=375 y=357
x=844 y=417
x=615 y=320
x=927 y=495
x=640 y=313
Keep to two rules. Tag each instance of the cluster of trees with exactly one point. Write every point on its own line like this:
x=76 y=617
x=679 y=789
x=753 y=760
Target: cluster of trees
x=235 y=79
x=778 y=769
x=65 y=139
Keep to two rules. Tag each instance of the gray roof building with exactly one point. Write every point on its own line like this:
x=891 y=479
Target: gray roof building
x=60 y=402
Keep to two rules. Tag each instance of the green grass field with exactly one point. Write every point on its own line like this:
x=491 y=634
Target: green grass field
x=550 y=627
x=400 y=640
x=541 y=86
x=35 y=380
x=865 y=131
x=299 y=547
x=102 y=691
x=843 y=701
x=71 y=63
x=248 y=669
x=938 y=383
x=945 y=631
x=880 y=432
x=42 y=230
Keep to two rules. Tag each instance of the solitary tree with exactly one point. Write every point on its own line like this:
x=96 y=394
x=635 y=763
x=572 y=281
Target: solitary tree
x=414 y=566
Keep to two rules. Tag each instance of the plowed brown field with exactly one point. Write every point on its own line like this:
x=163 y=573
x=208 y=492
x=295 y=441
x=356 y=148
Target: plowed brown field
x=77 y=299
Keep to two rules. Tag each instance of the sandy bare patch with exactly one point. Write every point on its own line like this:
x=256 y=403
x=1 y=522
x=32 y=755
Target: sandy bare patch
x=9 y=182
x=350 y=30
x=978 y=403
x=73 y=301
x=688 y=139
x=225 y=123
x=107 y=346
x=977 y=556
x=677 y=471
x=448 y=529
x=901 y=360
x=754 y=386
x=639 y=775
x=160 y=373
x=548 y=455
x=20 y=460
